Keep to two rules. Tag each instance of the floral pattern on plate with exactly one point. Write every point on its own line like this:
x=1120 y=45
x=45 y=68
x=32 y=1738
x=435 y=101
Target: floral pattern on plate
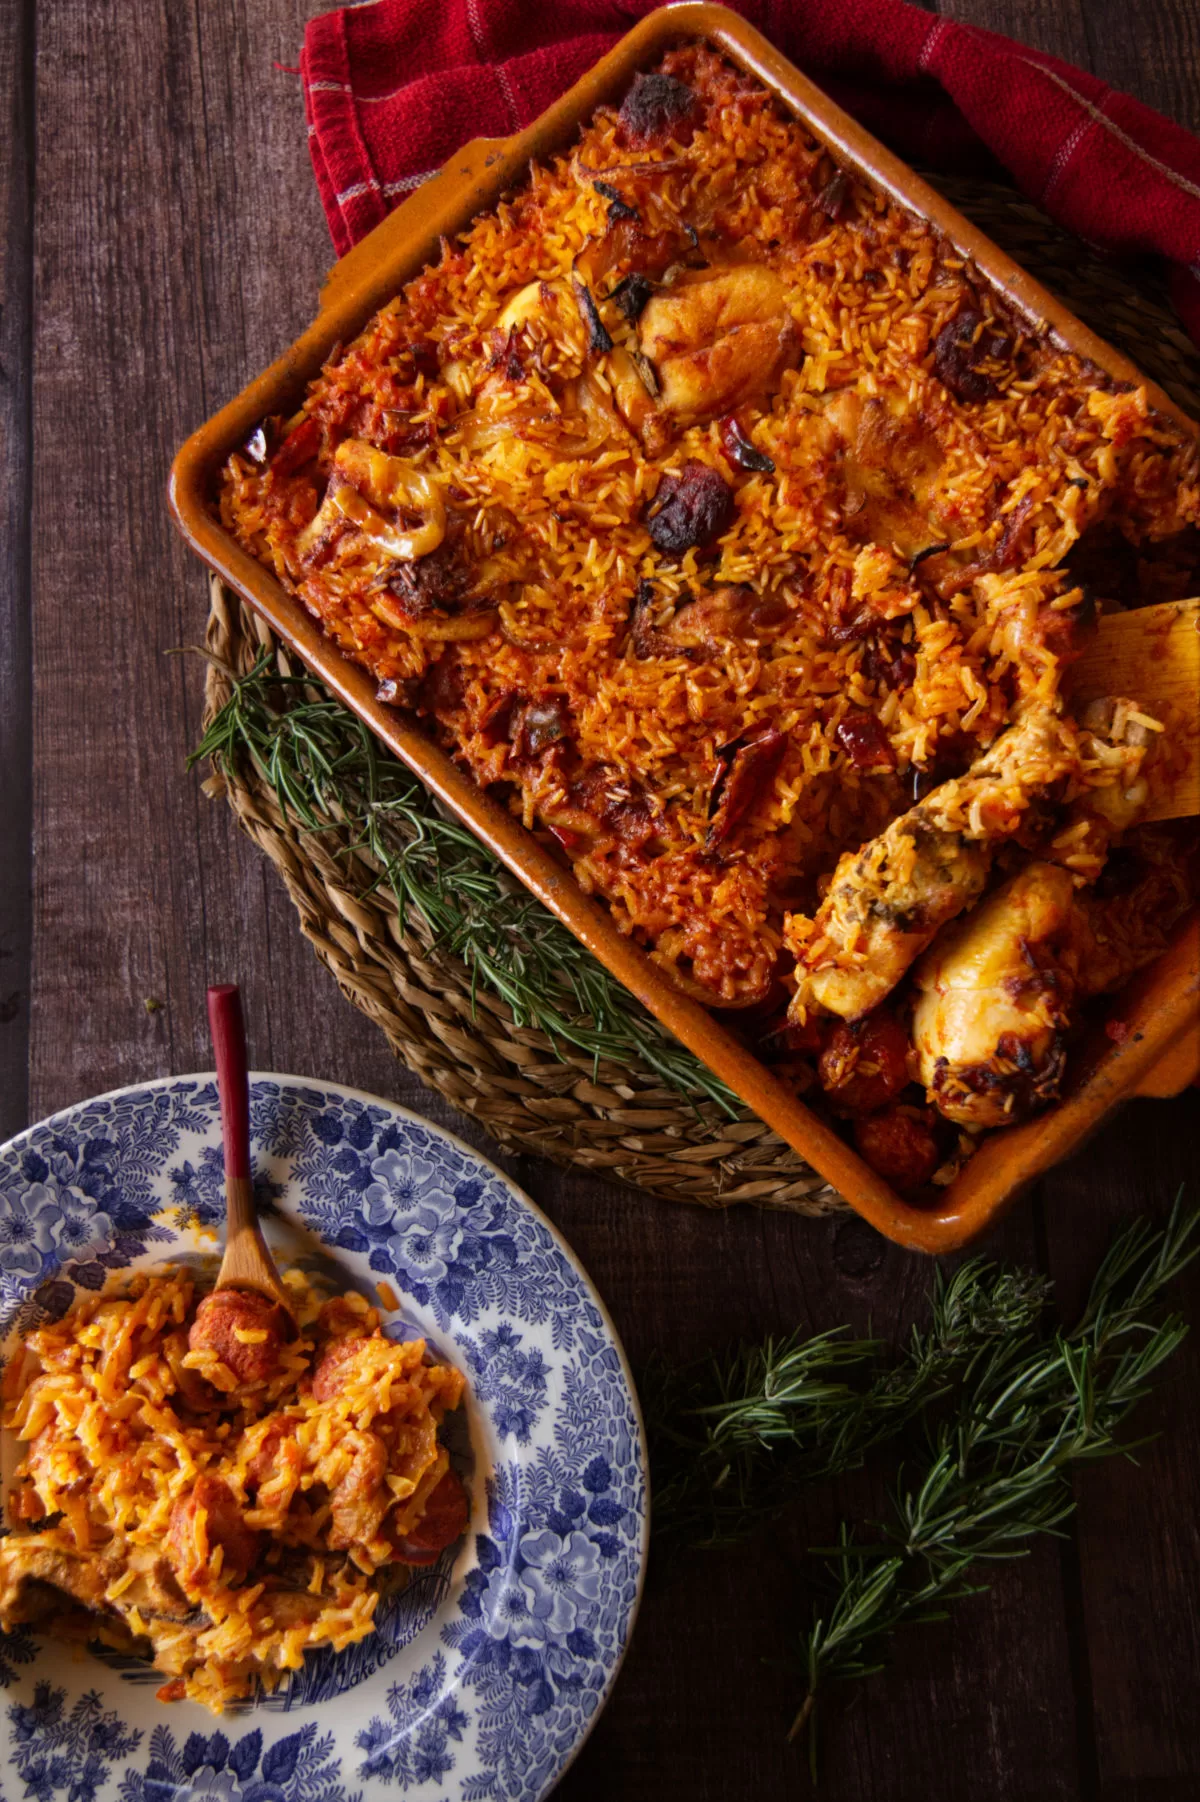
x=487 y=1672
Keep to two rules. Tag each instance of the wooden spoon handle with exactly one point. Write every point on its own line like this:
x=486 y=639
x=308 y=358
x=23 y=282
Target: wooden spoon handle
x=233 y=1084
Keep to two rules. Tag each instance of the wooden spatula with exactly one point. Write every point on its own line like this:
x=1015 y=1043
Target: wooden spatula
x=247 y=1263
x=1152 y=655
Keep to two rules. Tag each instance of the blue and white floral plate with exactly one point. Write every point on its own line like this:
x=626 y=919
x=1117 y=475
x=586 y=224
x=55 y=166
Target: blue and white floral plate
x=488 y=1671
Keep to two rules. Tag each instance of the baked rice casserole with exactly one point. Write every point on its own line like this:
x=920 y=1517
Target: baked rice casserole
x=710 y=509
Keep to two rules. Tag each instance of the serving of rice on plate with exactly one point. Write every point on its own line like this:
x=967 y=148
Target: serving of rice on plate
x=204 y=1490
x=488 y=1661
x=722 y=520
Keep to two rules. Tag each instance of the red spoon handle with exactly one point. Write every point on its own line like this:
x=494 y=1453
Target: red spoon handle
x=229 y=1043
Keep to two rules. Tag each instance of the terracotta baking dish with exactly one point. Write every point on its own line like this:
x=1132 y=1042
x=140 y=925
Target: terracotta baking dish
x=1161 y=1051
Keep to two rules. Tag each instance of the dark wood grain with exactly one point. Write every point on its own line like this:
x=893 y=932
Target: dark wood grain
x=16 y=348
x=175 y=245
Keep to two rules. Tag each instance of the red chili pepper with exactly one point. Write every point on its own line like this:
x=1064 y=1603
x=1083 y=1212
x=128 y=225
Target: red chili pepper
x=298 y=448
x=738 y=448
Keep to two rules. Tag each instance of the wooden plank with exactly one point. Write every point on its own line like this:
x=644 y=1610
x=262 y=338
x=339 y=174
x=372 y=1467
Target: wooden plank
x=1151 y=51
x=1129 y=1567
x=180 y=246
x=703 y=1705
x=1135 y=1542
x=16 y=265
x=1056 y=26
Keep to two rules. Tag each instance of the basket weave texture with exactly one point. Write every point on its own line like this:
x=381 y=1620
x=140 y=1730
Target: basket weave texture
x=531 y=1096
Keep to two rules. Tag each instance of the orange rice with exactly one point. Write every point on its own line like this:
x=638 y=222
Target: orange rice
x=549 y=488
x=915 y=501
x=203 y=1532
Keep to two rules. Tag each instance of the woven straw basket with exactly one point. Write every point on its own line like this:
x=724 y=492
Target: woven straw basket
x=531 y=1096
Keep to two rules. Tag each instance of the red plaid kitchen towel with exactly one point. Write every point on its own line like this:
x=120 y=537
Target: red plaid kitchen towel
x=393 y=88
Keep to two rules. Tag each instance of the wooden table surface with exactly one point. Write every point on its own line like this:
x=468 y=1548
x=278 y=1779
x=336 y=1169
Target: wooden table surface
x=162 y=242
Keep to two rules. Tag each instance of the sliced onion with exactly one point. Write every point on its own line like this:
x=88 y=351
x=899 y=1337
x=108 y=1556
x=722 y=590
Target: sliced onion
x=407 y=546
x=438 y=629
x=370 y=476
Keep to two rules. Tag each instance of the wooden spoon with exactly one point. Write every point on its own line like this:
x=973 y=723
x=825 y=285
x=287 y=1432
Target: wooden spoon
x=247 y=1263
x=1152 y=655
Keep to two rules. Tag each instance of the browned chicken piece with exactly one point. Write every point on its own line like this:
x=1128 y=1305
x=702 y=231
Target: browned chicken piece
x=719 y=615
x=204 y=1523
x=887 y=901
x=1116 y=744
x=717 y=339
x=546 y=303
x=635 y=402
x=246 y=1330
x=891 y=467
x=993 y=1000
x=39 y=1570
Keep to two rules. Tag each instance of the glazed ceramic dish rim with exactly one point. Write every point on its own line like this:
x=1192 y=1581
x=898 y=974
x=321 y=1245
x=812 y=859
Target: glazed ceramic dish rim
x=1158 y=1010
x=200 y=1088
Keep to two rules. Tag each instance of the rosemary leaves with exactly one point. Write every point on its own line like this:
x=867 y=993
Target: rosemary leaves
x=991 y=1406
x=732 y=1438
x=991 y=1471
x=332 y=776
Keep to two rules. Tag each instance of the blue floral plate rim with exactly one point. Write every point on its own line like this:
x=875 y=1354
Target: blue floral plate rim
x=533 y=1624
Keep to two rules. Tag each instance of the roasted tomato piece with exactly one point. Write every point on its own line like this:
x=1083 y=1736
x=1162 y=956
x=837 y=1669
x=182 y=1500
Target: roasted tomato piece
x=892 y=664
x=691 y=509
x=864 y=741
x=900 y=1144
x=864 y=1065
x=960 y=347
x=741 y=782
x=500 y=717
x=798 y=1039
x=658 y=107
x=245 y=1329
x=440 y=690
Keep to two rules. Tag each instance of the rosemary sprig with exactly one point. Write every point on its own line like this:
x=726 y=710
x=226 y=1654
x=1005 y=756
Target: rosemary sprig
x=993 y=1469
x=330 y=774
x=733 y=1437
